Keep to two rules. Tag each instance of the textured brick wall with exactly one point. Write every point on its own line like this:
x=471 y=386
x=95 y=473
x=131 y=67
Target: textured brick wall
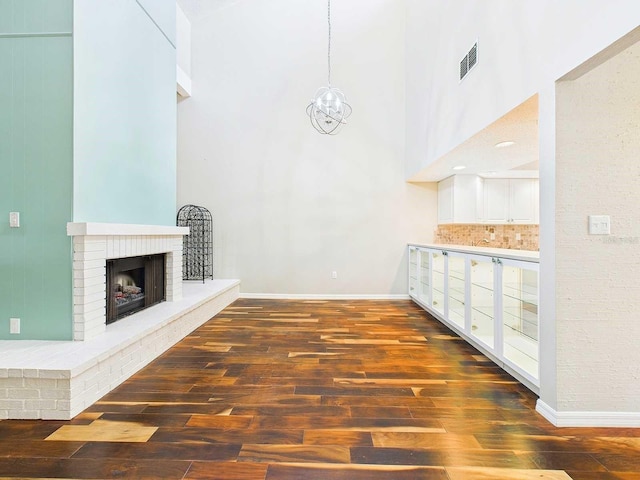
x=506 y=236
x=598 y=292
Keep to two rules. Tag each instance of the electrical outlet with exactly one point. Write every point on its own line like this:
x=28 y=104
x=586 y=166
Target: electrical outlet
x=493 y=236
x=14 y=325
x=334 y=274
x=518 y=237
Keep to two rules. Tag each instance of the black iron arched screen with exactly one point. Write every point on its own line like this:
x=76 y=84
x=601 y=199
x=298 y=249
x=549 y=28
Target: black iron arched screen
x=197 y=253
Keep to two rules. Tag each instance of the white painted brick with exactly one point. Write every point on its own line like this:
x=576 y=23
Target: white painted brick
x=63 y=383
x=113 y=248
x=84 y=247
x=4 y=414
x=15 y=373
x=40 y=383
x=90 y=307
x=30 y=373
x=40 y=404
x=57 y=394
x=25 y=414
x=11 y=404
x=57 y=374
x=99 y=272
x=84 y=264
x=4 y=393
x=13 y=382
x=82 y=282
x=4 y=373
x=97 y=314
x=86 y=256
x=89 y=290
x=24 y=393
x=88 y=298
x=55 y=415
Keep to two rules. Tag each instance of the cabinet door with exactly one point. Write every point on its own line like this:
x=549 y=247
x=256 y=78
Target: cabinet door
x=438 y=265
x=424 y=280
x=519 y=311
x=482 y=299
x=413 y=272
x=496 y=200
x=445 y=200
x=522 y=200
x=456 y=290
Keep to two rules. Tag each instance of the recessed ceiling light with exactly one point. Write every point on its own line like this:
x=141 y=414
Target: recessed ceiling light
x=459 y=167
x=504 y=144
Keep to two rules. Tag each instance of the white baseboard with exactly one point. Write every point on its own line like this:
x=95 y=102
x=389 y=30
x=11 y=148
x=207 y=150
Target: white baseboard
x=588 y=419
x=322 y=296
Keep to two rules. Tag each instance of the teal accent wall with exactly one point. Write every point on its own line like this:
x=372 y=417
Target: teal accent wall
x=36 y=127
x=125 y=112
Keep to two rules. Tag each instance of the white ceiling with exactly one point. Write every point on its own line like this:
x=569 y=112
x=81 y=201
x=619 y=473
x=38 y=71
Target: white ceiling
x=480 y=156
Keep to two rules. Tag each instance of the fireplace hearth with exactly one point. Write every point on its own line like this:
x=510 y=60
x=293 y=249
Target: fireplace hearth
x=133 y=284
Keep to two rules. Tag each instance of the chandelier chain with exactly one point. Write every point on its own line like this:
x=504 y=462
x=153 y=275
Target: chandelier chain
x=328 y=110
x=329 y=47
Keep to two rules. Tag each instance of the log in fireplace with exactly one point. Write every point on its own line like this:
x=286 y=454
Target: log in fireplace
x=133 y=284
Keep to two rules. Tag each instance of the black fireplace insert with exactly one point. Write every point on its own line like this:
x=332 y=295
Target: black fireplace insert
x=133 y=284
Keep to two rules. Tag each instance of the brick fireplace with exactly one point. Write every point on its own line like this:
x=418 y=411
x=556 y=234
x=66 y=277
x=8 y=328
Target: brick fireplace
x=56 y=380
x=94 y=244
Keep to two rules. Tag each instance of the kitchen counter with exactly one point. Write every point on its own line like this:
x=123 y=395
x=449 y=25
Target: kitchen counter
x=525 y=255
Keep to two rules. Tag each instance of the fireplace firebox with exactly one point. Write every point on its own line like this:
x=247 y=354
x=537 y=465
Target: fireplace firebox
x=133 y=284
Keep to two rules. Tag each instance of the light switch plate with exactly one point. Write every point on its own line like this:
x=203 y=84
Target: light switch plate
x=599 y=225
x=14 y=219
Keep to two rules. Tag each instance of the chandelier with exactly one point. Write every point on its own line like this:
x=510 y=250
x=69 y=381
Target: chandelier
x=329 y=109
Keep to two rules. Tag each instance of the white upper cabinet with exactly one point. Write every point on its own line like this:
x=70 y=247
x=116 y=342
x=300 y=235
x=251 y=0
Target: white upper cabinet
x=513 y=200
x=460 y=199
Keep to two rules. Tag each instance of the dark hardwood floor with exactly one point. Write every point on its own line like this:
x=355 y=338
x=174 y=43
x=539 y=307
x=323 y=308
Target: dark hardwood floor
x=318 y=390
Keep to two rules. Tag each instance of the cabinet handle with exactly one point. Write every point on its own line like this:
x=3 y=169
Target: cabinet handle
x=445 y=253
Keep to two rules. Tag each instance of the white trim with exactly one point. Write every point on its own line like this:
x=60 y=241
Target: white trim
x=322 y=296
x=90 y=228
x=588 y=419
x=183 y=82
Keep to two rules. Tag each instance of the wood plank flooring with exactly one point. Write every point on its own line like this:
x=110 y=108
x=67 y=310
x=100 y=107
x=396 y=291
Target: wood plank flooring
x=318 y=390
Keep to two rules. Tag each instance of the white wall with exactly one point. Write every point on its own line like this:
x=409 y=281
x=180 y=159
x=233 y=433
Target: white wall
x=290 y=206
x=183 y=41
x=183 y=53
x=522 y=45
x=124 y=112
x=598 y=293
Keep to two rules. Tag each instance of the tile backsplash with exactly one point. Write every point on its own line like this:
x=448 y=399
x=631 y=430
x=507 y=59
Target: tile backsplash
x=480 y=235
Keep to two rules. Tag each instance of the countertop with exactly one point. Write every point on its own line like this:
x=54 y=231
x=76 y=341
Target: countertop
x=525 y=255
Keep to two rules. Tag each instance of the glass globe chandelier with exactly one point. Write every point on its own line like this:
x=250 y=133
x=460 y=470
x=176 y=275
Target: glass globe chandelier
x=329 y=109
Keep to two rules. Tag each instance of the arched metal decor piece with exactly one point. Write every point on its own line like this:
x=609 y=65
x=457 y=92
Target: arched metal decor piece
x=197 y=250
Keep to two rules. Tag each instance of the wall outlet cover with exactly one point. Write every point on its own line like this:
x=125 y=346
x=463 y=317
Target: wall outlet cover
x=14 y=325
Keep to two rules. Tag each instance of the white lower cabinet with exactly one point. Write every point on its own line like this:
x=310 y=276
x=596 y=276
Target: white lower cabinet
x=490 y=301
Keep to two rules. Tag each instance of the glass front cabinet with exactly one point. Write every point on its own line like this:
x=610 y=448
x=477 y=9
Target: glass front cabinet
x=492 y=302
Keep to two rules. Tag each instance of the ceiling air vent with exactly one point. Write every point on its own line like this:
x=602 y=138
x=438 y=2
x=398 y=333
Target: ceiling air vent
x=469 y=61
